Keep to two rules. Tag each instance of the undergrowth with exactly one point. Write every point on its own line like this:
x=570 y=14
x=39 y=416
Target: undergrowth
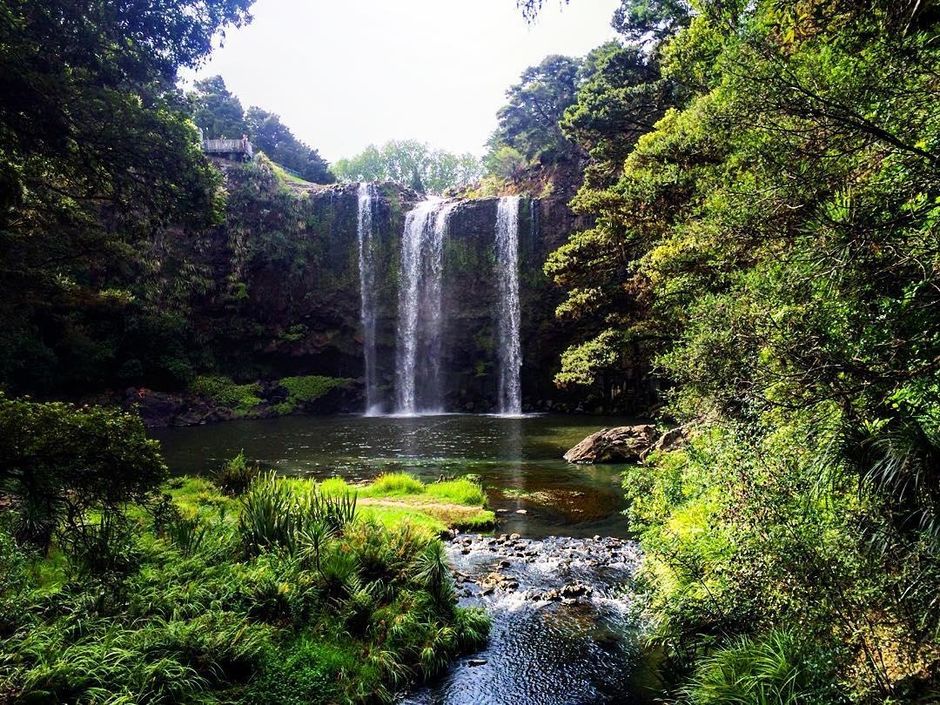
x=287 y=594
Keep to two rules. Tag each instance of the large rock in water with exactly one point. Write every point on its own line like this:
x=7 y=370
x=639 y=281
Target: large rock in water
x=623 y=444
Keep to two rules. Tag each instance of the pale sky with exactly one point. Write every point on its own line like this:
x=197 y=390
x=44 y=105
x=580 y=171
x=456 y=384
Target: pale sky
x=343 y=74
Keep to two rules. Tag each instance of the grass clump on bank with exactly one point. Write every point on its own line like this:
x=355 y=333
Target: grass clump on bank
x=283 y=594
x=241 y=398
x=305 y=389
x=394 y=497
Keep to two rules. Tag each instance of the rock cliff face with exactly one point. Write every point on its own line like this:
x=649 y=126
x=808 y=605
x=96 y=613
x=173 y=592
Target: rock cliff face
x=286 y=299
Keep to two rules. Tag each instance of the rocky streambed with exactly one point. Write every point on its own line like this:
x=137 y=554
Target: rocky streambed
x=564 y=629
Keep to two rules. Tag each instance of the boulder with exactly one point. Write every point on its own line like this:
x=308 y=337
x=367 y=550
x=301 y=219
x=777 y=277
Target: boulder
x=622 y=444
x=672 y=439
x=156 y=409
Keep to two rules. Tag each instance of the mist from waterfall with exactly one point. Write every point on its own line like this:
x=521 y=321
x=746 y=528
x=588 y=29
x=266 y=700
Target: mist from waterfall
x=420 y=316
x=509 y=348
x=367 y=296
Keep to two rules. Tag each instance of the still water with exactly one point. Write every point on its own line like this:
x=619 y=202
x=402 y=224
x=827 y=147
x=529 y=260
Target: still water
x=519 y=460
x=564 y=628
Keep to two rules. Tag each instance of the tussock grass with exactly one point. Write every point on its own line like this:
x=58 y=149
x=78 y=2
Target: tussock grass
x=393 y=484
x=460 y=491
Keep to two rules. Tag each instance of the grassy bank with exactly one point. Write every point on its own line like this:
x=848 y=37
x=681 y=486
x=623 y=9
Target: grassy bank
x=291 y=592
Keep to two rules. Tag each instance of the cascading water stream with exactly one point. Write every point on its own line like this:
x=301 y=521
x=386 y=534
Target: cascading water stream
x=509 y=350
x=420 y=316
x=367 y=295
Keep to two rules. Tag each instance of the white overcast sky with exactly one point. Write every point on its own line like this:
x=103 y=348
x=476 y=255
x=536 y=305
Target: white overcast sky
x=343 y=74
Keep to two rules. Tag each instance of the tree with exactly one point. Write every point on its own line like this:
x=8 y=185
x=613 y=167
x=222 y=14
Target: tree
x=59 y=461
x=96 y=153
x=216 y=111
x=620 y=98
x=410 y=163
x=651 y=21
x=275 y=139
x=774 y=238
x=529 y=122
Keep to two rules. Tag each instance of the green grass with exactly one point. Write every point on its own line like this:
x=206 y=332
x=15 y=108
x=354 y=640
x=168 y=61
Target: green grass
x=391 y=499
x=396 y=516
x=456 y=503
x=284 y=176
x=460 y=491
x=393 y=485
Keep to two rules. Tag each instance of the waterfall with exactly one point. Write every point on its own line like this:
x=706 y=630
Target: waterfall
x=509 y=351
x=367 y=295
x=420 y=317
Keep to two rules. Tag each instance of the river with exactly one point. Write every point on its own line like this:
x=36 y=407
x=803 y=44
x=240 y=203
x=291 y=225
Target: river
x=555 y=576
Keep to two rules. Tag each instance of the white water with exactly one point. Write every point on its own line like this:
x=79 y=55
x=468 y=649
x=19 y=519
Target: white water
x=367 y=296
x=509 y=349
x=420 y=318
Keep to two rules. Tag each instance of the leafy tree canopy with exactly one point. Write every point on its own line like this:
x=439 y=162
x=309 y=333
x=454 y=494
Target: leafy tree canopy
x=410 y=163
x=220 y=115
x=529 y=122
x=58 y=461
x=772 y=244
x=96 y=151
x=216 y=111
x=276 y=140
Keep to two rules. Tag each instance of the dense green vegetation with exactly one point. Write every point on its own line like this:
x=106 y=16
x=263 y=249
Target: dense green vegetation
x=111 y=216
x=276 y=591
x=96 y=150
x=764 y=178
x=410 y=163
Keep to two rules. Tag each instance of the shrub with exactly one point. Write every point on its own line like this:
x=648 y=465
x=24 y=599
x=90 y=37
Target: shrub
x=188 y=533
x=268 y=515
x=236 y=475
x=305 y=674
x=305 y=389
x=59 y=461
x=277 y=515
x=241 y=398
x=103 y=548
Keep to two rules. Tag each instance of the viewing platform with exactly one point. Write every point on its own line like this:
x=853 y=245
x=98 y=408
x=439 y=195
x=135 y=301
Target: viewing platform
x=236 y=150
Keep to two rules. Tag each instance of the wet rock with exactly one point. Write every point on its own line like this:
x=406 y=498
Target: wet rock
x=622 y=444
x=521 y=511
x=574 y=590
x=495 y=581
x=474 y=662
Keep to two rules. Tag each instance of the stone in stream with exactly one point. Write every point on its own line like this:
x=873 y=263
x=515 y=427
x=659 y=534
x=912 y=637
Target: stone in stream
x=622 y=444
x=498 y=581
